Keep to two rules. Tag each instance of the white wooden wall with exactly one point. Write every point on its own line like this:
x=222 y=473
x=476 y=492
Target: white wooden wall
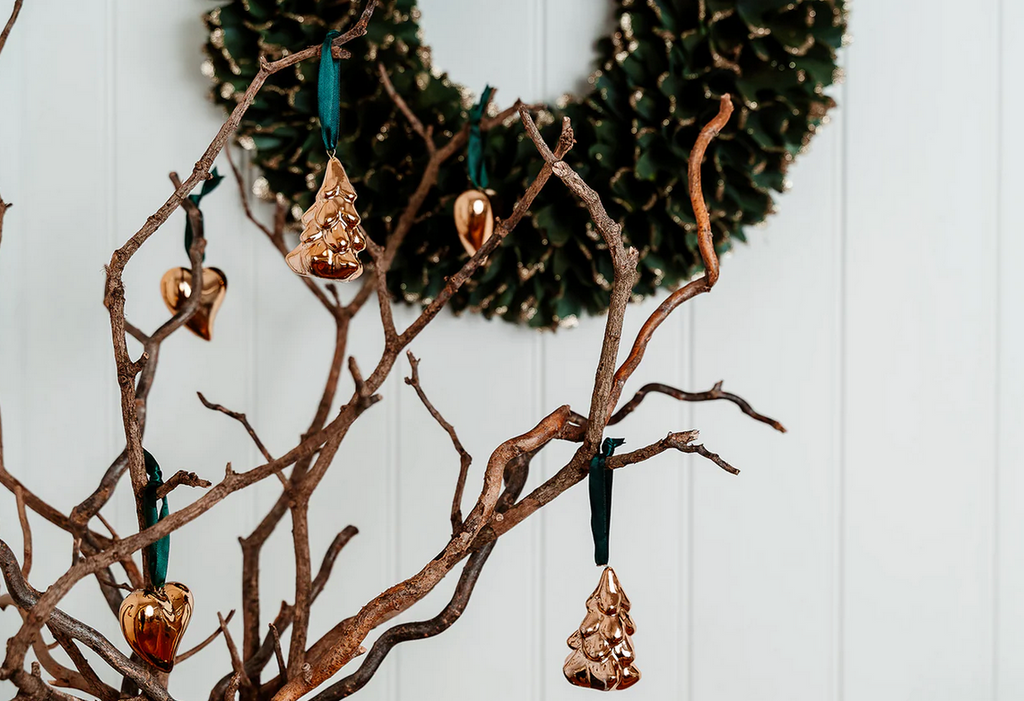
x=874 y=553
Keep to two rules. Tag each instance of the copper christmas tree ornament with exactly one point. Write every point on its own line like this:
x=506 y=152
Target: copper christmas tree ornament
x=176 y=287
x=602 y=650
x=474 y=220
x=154 y=621
x=331 y=237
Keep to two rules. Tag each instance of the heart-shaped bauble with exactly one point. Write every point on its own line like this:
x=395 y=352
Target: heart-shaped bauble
x=154 y=620
x=176 y=286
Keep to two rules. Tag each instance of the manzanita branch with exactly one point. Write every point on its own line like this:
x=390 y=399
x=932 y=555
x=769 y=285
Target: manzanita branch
x=497 y=509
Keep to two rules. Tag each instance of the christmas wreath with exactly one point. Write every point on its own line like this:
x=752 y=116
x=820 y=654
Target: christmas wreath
x=659 y=78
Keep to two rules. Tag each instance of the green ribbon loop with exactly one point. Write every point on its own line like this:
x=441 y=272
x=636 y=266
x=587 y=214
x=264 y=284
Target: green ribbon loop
x=600 y=483
x=208 y=187
x=161 y=549
x=475 y=149
x=329 y=94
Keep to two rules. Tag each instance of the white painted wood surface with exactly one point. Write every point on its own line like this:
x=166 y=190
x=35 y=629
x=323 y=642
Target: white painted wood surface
x=874 y=553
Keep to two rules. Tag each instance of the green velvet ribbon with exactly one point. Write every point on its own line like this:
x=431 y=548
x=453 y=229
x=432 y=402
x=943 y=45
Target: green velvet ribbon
x=475 y=150
x=161 y=549
x=600 y=483
x=208 y=187
x=328 y=93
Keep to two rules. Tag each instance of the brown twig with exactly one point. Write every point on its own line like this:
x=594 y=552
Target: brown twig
x=707 y=252
x=465 y=459
x=114 y=584
x=203 y=645
x=624 y=263
x=93 y=683
x=181 y=478
x=26 y=531
x=683 y=442
x=232 y=688
x=715 y=393
x=281 y=666
x=236 y=661
x=327 y=564
x=419 y=630
x=242 y=419
x=10 y=23
x=414 y=121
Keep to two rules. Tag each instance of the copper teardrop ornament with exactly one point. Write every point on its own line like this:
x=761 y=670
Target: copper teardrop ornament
x=176 y=287
x=331 y=237
x=602 y=649
x=474 y=220
x=154 y=621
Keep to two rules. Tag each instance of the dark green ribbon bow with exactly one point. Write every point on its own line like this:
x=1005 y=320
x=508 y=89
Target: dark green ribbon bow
x=161 y=549
x=208 y=187
x=601 y=499
x=475 y=150
x=329 y=93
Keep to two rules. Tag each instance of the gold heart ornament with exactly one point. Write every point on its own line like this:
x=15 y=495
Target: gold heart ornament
x=154 y=620
x=176 y=286
x=474 y=220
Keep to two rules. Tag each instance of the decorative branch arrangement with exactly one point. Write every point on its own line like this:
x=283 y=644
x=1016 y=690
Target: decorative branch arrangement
x=303 y=665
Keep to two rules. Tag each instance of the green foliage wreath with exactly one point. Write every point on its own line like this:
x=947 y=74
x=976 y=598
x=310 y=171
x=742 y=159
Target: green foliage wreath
x=659 y=80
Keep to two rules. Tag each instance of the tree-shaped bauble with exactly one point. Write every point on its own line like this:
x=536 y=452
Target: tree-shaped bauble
x=331 y=239
x=602 y=651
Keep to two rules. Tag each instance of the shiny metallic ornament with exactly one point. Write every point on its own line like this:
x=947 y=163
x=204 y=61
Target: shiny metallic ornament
x=154 y=621
x=176 y=286
x=474 y=219
x=602 y=650
x=331 y=236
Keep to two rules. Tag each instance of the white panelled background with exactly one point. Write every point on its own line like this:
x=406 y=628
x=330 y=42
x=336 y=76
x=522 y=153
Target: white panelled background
x=873 y=553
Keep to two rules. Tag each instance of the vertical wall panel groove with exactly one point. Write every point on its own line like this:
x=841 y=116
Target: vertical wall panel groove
x=1008 y=607
x=997 y=375
x=839 y=407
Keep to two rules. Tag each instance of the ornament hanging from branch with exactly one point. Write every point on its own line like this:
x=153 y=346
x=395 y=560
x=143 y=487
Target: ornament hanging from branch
x=474 y=217
x=176 y=284
x=153 y=619
x=331 y=238
x=602 y=655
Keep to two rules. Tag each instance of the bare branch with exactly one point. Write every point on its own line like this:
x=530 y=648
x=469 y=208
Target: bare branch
x=232 y=688
x=240 y=418
x=93 y=683
x=181 y=478
x=465 y=459
x=683 y=442
x=10 y=23
x=713 y=394
x=281 y=666
x=414 y=121
x=203 y=645
x=419 y=630
x=26 y=531
x=707 y=251
x=236 y=661
x=339 y=542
